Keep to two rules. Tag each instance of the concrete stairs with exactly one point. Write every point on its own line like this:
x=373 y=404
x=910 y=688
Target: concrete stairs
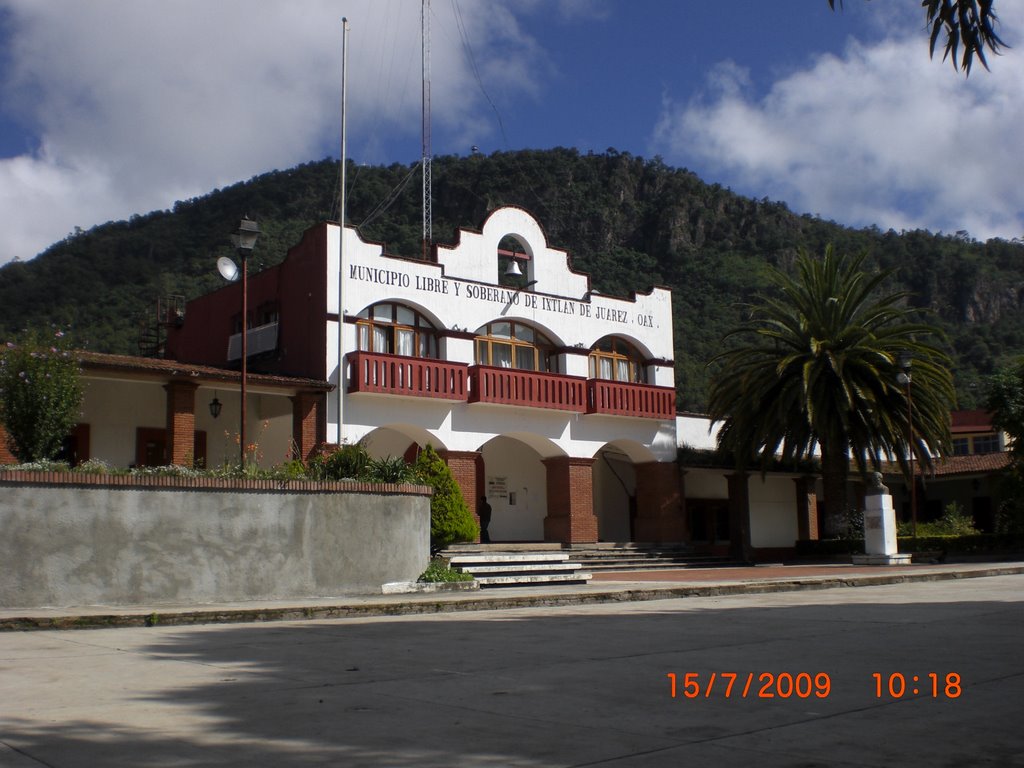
x=507 y=569
x=546 y=562
x=645 y=557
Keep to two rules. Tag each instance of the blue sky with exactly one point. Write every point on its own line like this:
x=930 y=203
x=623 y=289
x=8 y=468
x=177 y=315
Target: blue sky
x=115 y=107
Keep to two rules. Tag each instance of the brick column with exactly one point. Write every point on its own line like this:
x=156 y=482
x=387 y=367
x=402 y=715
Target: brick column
x=464 y=465
x=806 y=508
x=6 y=457
x=739 y=516
x=570 y=497
x=181 y=421
x=659 y=516
x=683 y=511
x=307 y=430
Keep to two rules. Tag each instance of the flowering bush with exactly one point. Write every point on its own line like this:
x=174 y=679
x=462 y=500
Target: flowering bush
x=40 y=394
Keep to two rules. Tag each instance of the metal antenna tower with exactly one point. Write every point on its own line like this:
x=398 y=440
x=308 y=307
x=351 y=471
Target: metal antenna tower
x=428 y=215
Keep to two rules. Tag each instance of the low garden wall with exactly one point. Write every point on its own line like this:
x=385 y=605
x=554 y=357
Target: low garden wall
x=138 y=541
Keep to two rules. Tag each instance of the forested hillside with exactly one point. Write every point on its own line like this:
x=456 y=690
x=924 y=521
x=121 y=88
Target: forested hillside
x=627 y=221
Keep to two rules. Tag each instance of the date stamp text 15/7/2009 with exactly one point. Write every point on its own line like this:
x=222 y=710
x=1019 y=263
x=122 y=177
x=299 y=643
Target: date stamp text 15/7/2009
x=806 y=685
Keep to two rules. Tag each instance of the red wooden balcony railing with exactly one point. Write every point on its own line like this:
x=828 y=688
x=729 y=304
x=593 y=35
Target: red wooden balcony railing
x=532 y=389
x=621 y=399
x=411 y=376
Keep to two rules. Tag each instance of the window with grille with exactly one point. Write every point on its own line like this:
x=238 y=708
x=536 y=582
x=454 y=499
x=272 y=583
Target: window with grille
x=615 y=359
x=396 y=329
x=510 y=344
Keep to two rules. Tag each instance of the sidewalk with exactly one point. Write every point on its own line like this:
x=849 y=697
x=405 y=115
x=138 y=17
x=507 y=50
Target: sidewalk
x=604 y=588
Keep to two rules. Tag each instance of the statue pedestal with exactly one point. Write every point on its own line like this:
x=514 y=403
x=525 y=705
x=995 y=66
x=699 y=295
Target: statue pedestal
x=896 y=559
x=879 y=529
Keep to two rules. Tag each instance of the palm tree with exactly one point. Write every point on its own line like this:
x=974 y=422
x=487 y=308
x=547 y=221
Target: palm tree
x=970 y=24
x=818 y=369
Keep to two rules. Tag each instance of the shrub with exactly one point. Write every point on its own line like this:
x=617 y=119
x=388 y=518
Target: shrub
x=293 y=469
x=42 y=465
x=952 y=523
x=392 y=469
x=40 y=395
x=98 y=467
x=348 y=462
x=450 y=518
x=440 y=570
x=167 y=470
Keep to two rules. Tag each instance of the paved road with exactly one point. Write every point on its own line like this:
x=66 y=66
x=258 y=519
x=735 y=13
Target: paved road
x=563 y=686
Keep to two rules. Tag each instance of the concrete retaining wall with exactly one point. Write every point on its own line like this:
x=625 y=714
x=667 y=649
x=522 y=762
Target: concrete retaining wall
x=63 y=545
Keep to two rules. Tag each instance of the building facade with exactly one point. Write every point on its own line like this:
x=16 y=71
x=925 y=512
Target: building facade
x=551 y=400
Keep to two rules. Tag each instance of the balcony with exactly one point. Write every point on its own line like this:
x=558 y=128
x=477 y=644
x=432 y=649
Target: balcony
x=409 y=376
x=258 y=340
x=510 y=386
x=642 y=401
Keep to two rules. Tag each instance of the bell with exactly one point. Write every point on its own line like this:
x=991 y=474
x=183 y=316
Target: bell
x=512 y=270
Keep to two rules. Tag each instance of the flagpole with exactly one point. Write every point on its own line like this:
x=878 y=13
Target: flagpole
x=341 y=219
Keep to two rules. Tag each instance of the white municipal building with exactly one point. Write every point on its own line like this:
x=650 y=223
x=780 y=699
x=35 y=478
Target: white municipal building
x=553 y=401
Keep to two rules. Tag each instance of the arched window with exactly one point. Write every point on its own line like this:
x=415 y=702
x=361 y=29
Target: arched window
x=509 y=344
x=396 y=329
x=615 y=359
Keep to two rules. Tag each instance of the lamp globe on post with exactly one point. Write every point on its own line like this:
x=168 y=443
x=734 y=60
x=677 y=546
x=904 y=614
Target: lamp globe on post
x=244 y=240
x=905 y=361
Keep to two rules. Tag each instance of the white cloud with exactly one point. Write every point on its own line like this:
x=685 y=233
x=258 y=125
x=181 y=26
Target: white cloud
x=878 y=135
x=138 y=103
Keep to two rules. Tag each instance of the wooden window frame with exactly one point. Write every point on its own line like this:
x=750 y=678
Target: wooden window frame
x=541 y=346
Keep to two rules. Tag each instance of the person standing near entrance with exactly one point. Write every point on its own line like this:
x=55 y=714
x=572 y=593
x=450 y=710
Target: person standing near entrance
x=485 y=520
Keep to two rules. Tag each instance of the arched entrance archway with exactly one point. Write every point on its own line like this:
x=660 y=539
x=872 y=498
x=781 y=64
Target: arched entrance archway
x=615 y=488
x=399 y=440
x=516 y=485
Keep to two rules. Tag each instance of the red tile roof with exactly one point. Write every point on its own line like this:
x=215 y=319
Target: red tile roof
x=151 y=366
x=951 y=466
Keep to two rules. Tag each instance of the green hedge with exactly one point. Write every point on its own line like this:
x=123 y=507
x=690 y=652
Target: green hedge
x=978 y=543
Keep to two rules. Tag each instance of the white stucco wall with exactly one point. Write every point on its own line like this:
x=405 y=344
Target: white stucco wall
x=516 y=486
x=706 y=484
x=115 y=408
x=696 y=431
x=773 y=520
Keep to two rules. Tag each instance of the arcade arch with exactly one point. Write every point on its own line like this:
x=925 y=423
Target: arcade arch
x=516 y=485
x=399 y=440
x=615 y=488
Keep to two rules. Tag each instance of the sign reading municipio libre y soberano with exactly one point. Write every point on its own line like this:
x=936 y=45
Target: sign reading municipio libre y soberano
x=466 y=291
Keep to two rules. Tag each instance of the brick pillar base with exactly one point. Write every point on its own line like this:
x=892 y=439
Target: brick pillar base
x=659 y=515
x=181 y=422
x=570 y=498
x=464 y=466
x=806 y=508
x=307 y=430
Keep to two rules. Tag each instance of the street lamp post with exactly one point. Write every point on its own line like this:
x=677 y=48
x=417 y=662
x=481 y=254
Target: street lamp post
x=905 y=362
x=244 y=240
